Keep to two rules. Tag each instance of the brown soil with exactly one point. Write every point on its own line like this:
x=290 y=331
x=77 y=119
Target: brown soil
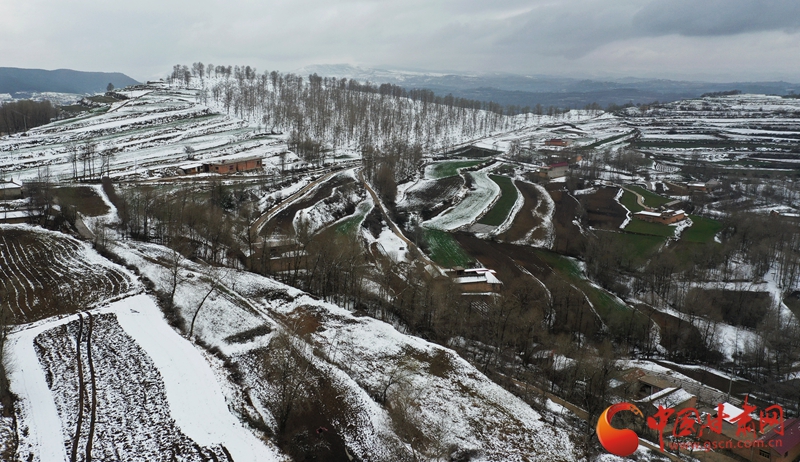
x=569 y=240
x=504 y=258
x=602 y=211
x=282 y=222
x=525 y=220
x=43 y=275
x=83 y=198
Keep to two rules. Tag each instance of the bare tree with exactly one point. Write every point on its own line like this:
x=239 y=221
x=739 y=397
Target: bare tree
x=214 y=278
x=288 y=372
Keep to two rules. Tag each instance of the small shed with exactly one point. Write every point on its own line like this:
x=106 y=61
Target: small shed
x=556 y=142
x=10 y=190
x=672 y=397
x=190 y=168
x=478 y=280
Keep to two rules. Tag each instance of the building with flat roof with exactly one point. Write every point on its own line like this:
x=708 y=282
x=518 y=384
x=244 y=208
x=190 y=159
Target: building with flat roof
x=241 y=164
x=667 y=217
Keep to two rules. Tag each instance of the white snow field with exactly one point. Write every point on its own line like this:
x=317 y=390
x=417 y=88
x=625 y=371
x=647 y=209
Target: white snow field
x=452 y=400
x=484 y=193
x=195 y=398
x=37 y=413
x=172 y=376
x=148 y=135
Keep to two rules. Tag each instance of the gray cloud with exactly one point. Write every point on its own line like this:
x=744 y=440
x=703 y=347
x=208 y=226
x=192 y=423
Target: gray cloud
x=146 y=37
x=717 y=17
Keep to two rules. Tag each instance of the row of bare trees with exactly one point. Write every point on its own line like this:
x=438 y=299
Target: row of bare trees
x=344 y=112
x=20 y=116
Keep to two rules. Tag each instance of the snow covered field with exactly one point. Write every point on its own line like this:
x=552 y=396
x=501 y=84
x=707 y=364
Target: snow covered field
x=481 y=196
x=153 y=395
x=355 y=356
x=144 y=136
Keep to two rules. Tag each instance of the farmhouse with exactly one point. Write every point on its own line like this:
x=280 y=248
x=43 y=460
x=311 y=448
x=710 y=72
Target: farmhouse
x=704 y=187
x=781 y=444
x=785 y=438
x=241 y=164
x=667 y=217
x=10 y=190
x=556 y=170
x=556 y=142
x=671 y=397
x=476 y=280
x=191 y=168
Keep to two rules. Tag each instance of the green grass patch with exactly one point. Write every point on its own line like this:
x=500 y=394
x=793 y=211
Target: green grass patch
x=702 y=229
x=650 y=199
x=508 y=196
x=445 y=250
x=560 y=263
x=350 y=225
x=636 y=248
x=450 y=168
x=628 y=199
x=603 y=303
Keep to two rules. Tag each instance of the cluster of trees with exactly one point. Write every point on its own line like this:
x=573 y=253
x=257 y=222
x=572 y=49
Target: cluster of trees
x=386 y=168
x=88 y=161
x=20 y=116
x=341 y=112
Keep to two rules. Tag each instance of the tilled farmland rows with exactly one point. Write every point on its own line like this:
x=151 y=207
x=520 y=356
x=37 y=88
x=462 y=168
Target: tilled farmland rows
x=46 y=273
x=110 y=396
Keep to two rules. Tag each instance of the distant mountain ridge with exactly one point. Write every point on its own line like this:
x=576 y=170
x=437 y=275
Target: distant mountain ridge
x=529 y=90
x=16 y=80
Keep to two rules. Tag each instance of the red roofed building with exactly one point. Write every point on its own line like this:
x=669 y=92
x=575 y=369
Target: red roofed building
x=781 y=448
x=556 y=142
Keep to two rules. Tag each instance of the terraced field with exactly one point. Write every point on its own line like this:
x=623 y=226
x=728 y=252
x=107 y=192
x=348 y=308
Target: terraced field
x=123 y=410
x=45 y=273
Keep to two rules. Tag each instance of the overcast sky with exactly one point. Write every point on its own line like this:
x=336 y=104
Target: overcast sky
x=718 y=40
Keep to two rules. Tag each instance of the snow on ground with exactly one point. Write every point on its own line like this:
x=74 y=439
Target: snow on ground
x=36 y=409
x=149 y=134
x=681 y=226
x=453 y=400
x=195 y=398
x=628 y=214
x=483 y=194
x=283 y=193
x=549 y=237
x=329 y=210
x=393 y=247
